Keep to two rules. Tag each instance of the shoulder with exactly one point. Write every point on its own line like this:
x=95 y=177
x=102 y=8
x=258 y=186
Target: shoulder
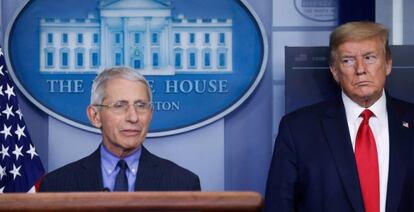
x=312 y=112
x=168 y=166
x=400 y=106
x=173 y=176
x=70 y=168
x=66 y=175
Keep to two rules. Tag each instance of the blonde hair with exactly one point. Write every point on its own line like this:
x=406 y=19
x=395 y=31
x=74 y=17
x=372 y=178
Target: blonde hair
x=358 y=31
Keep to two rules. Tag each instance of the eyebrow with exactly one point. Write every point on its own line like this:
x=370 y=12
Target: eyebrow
x=346 y=55
x=141 y=100
x=124 y=100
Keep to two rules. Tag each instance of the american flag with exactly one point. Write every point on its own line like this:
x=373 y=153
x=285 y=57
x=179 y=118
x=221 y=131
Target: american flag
x=20 y=165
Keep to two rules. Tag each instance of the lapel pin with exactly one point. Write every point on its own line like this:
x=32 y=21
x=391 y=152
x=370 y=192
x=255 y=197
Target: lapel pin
x=405 y=124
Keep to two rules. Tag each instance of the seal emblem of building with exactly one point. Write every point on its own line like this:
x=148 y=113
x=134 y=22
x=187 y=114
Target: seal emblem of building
x=202 y=58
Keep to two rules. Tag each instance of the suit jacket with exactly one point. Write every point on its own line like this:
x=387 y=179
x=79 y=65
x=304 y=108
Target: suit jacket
x=154 y=174
x=314 y=169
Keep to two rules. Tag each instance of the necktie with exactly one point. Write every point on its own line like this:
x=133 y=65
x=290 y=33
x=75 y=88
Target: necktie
x=367 y=163
x=121 y=180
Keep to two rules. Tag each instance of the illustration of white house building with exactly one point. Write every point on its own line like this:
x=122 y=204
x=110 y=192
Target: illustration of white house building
x=141 y=34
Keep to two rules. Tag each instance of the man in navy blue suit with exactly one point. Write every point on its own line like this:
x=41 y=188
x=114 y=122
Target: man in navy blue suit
x=353 y=153
x=121 y=107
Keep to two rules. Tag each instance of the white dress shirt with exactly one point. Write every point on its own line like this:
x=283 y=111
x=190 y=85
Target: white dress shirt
x=379 y=126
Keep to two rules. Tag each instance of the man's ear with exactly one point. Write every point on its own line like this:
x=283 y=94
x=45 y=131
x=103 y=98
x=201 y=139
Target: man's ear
x=94 y=116
x=388 y=65
x=334 y=72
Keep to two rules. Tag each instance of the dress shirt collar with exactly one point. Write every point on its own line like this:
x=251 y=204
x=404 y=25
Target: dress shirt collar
x=353 y=110
x=110 y=161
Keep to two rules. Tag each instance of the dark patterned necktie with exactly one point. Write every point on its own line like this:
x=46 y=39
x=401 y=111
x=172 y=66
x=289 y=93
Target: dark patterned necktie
x=121 y=180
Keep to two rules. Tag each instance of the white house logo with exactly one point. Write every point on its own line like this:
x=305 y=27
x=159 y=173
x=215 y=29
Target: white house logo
x=317 y=10
x=202 y=58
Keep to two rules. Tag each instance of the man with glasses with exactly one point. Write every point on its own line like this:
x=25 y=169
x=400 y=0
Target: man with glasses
x=121 y=107
x=353 y=153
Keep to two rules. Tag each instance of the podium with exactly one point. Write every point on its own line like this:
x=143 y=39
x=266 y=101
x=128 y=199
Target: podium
x=132 y=201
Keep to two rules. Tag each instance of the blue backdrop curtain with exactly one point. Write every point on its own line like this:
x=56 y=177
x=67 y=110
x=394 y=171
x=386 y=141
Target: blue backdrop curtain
x=355 y=10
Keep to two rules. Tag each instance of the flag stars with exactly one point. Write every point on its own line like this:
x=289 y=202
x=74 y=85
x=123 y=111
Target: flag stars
x=17 y=151
x=20 y=132
x=2 y=172
x=6 y=131
x=18 y=170
x=4 y=151
x=32 y=152
x=15 y=171
x=9 y=91
x=8 y=111
x=18 y=112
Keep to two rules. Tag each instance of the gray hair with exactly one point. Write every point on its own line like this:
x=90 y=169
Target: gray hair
x=98 y=92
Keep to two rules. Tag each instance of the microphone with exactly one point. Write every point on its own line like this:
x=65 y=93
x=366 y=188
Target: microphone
x=106 y=189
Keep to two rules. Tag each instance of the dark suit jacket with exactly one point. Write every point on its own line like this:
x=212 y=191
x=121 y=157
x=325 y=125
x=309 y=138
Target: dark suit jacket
x=313 y=166
x=154 y=174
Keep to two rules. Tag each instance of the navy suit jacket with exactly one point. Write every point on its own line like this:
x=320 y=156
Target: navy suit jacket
x=154 y=174
x=314 y=169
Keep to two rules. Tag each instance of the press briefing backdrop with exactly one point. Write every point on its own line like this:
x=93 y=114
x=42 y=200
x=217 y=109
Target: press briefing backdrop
x=230 y=153
x=234 y=151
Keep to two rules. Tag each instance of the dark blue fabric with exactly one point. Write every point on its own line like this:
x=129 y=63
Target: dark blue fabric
x=154 y=174
x=355 y=10
x=20 y=165
x=314 y=169
x=121 y=180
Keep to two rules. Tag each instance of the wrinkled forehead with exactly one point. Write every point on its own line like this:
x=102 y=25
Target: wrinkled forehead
x=123 y=87
x=360 y=47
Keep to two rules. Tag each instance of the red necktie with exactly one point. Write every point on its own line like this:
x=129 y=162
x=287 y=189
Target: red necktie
x=367 y=163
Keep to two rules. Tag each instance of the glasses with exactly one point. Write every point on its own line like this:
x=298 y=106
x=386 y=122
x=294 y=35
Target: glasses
x=121 y=107
x=350 y=62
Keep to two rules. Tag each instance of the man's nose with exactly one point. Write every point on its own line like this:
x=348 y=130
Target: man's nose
x=360 y=66
x=132 y=115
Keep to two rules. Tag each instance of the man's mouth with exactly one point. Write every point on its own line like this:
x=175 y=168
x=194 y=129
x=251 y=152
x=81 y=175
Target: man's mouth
x=131 y=132
x=363 y=83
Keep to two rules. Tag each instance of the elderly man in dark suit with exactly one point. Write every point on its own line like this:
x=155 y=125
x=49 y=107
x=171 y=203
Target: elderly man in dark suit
x=354 y=153
x=121 y=108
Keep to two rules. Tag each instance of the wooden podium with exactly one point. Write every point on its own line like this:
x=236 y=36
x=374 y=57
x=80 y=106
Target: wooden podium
x=134 y=201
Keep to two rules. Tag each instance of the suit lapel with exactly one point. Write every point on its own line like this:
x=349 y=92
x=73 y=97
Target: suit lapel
x=90 y=177
x=399 y=153
x=148 y=177
x=337 y=134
